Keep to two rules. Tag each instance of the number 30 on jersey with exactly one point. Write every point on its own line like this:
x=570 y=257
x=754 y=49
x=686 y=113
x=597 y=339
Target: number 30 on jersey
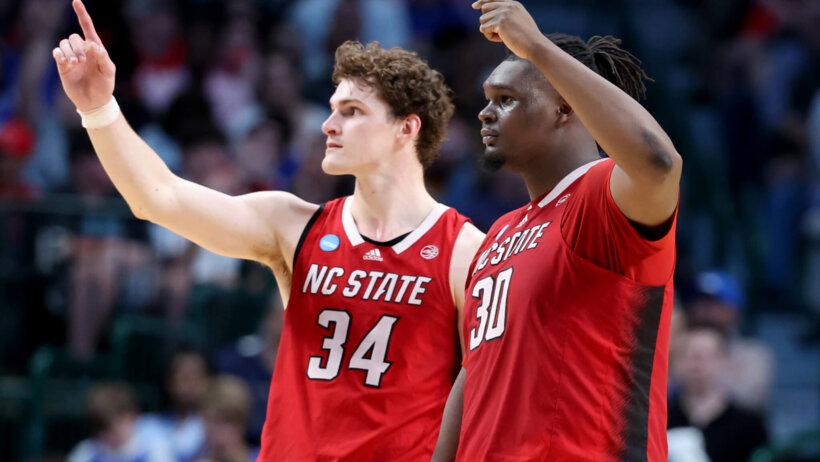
x=492 y=310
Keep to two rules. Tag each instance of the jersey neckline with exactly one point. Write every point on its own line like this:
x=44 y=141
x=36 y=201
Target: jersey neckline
x=566 y=182
x=411 y=238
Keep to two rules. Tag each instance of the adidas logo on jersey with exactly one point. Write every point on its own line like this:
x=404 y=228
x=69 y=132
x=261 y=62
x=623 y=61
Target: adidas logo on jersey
x=373 y=254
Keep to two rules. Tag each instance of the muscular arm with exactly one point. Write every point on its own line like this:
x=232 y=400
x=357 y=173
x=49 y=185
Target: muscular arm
x=248 y=226
x=646 y=179
x=448 y=436
x=262 y=226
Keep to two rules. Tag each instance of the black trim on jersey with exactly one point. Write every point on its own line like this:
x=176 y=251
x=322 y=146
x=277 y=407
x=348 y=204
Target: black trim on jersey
x=389 y=243
x=635 y=432
x=653 y=233
x=305 y=231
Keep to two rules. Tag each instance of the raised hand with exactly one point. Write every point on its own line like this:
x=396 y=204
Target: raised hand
x=509 y=22
x=86 y=70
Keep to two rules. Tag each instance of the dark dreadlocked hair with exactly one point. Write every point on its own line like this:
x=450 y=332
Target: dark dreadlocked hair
x=606 y=58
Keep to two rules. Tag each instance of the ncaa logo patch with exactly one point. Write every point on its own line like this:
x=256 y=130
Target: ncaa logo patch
x=329 y=242
x=429 y=252
x=501 y=232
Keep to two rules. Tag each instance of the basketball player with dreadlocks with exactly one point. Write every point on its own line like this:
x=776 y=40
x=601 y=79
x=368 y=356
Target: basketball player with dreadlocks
x=567 y=310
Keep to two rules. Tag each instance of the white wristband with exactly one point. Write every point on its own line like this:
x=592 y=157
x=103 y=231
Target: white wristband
x=102 y=116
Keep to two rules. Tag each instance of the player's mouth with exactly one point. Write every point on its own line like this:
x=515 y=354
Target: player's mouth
x=488 y=137
x=332 y=145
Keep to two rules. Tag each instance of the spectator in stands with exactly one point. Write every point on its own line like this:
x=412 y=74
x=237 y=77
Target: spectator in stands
x=252 y=359
x=161 y=72
x=280 y=91
x=110 y=254
x=325 y=24
x=730 y=434
x=113 y=417
x=188 y=381
x=16 y=142
x=226 y=411
x=261 y=157
x=749 y=368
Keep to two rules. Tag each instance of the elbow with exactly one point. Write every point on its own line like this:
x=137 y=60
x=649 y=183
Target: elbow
x=666 y=162
x=153 y=207
x=139 y=212
x=140 y=209
x=662 y=156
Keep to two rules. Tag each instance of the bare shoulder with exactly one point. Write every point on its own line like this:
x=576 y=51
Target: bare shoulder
x=467 y=243
x=286 y=215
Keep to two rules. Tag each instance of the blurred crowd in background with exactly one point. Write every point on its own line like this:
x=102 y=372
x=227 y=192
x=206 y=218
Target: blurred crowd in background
x=143 y=346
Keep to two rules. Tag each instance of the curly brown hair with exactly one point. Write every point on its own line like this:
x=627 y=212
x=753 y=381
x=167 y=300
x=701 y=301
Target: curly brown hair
x=408 y=85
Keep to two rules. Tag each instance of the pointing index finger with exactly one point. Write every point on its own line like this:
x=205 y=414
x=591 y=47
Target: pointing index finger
x=85 y=22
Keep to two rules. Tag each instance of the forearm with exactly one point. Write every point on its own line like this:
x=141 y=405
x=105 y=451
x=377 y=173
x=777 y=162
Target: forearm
x=136 y=170
x=621 y=126
x=448 y=436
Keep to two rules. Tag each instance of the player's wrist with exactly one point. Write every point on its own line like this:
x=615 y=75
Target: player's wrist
x=102 y=116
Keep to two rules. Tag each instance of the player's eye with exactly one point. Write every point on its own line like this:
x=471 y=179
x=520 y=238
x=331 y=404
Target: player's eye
x=506 y=99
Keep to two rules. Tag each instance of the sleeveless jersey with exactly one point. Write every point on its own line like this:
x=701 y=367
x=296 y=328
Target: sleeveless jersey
x=566 y=360
x=370 y=348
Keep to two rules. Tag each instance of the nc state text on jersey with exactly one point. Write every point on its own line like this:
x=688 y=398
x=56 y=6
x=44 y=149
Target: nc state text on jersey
x=367 y=285
x=511 y=245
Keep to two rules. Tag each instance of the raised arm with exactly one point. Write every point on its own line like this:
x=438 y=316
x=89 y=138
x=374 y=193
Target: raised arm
x=260 y=226
x=646 y=179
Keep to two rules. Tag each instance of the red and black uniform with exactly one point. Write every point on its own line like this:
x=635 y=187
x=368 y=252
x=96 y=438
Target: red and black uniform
x=566 y=321
x=370 y=346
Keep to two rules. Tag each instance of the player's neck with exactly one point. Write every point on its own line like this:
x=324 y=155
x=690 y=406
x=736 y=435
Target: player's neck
x=544 y=172
x=389 y=204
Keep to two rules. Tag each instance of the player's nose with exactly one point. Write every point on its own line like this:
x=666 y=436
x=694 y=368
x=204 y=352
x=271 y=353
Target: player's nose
x=487 y=114
x=330 y=126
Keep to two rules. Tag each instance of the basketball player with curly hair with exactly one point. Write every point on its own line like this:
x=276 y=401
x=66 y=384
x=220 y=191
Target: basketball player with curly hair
x=373 y=283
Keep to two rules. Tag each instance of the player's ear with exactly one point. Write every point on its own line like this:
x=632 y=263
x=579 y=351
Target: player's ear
x=563 y=113
x=410 y=126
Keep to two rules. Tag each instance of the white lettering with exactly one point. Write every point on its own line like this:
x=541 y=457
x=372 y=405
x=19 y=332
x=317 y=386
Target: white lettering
x=387 y=286
x=328 y=288
x=522 y=243
x=418 y=289
x=405 y=280
x=353 y=284
x=314 y=278
x=534 y=242
x=512 y=244
x=374 y=276
x=500 y=252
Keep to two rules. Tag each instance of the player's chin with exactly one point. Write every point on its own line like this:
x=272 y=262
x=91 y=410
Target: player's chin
x=493 y=159
x=332 y=165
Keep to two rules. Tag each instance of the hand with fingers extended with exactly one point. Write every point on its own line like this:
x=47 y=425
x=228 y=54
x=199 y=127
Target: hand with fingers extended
x=509 y=22
x=86 y=70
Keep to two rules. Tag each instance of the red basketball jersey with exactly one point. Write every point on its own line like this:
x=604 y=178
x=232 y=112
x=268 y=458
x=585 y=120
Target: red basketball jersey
x=567 y=358
x=370 y=346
